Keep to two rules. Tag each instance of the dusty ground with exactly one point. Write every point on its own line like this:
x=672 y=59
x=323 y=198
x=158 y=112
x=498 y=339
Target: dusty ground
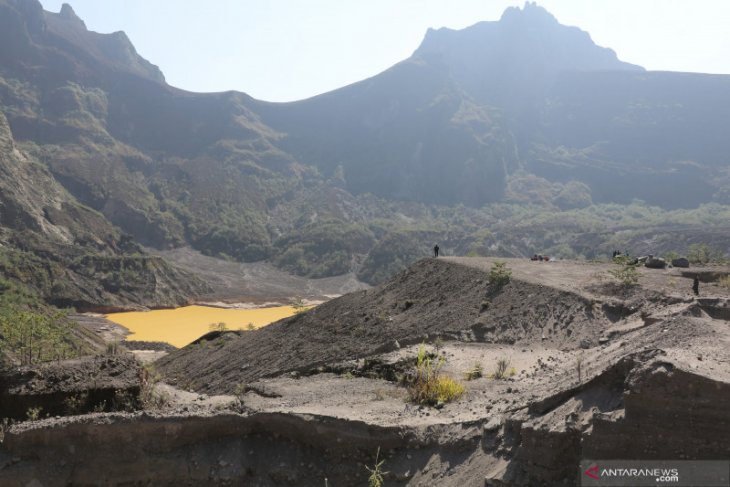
x=597 y=371
x=563 y=305
x=96 y=323
x=258 y=282
x=553 y=319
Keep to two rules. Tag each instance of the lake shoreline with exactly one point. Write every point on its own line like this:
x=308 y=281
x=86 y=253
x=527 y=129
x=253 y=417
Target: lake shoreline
x=181 y=326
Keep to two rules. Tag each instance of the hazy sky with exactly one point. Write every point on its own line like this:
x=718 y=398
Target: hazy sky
x=281 y=50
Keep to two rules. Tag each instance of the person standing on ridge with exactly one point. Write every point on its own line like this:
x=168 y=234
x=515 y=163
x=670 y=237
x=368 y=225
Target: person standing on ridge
x=436 y=250
x=696 y=286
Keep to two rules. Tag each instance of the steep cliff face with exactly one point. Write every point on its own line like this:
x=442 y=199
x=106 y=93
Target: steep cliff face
x=62 y=47
x=33 y=200
x=509 y=63
x=282 y=449
x=644 y=408
x=70 y=254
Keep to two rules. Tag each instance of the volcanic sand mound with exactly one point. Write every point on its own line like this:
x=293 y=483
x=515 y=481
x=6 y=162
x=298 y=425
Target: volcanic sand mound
x=599 y=371
x=434 y=298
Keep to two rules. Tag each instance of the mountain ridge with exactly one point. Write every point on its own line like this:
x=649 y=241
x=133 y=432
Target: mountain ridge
x=362 y=179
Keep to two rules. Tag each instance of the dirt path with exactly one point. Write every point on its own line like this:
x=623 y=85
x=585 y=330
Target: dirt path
x=580 y=277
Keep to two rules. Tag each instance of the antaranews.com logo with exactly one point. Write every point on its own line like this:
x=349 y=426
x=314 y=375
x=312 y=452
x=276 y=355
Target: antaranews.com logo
x=639 y=473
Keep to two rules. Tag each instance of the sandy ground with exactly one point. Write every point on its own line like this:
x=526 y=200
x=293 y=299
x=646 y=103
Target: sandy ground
x=584 y=355
x=663 y=314
x=386 y=403
x=581 y=276
x=97 y=323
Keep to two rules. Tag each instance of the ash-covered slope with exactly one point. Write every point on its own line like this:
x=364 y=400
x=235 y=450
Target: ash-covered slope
x=601 y=371
x=430 y=299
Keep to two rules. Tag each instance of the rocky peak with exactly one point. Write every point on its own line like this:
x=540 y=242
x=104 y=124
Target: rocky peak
x=67 y=13
x=108 y=51
x=521 y=53
x=531 y=13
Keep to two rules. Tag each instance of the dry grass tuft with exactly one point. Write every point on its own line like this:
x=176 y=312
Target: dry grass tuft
x=429 y=386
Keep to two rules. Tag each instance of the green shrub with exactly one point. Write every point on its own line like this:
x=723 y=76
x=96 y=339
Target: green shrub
x=376 y=473
x=113 y=348
x=32 y=336
x=429 y=386
x=32 y=414
x=627 y=275
x=476 y=372
x=298 y=304
x=149 y=396
x=76 y=403
x=499 y=274
x=218 y=327
x=670 y=256
x=622 y=260
x=698 y=253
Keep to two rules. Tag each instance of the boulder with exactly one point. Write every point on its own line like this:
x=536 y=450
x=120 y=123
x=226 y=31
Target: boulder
x=655 y=263
x=681 y=262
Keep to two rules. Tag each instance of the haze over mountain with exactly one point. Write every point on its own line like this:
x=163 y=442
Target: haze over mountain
x=522 y=111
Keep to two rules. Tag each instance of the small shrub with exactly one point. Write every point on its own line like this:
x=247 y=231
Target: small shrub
x=484 y=306
x=699 y=253
x=33 y=413
x=125 y=401
x=428 y=386
x=298 y=304
x=501 y=368
x=627 y=275
x=75 y=404
x=724 y=282
x=114 y=348
x=622 y=260
x=376 y=473
x=218 y=327
x=240 y=394
x=499 y=274
x=448 y=389
x=149 y=397
x=251 y=326
x=476 y=372
x=670 y=256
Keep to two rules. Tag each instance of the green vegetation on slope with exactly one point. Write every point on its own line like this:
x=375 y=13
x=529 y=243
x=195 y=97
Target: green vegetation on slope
x=32 y=332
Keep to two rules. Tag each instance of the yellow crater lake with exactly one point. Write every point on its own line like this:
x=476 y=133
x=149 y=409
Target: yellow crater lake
x=183 y=325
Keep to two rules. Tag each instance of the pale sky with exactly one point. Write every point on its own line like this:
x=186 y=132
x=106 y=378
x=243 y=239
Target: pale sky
x=283 y=50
